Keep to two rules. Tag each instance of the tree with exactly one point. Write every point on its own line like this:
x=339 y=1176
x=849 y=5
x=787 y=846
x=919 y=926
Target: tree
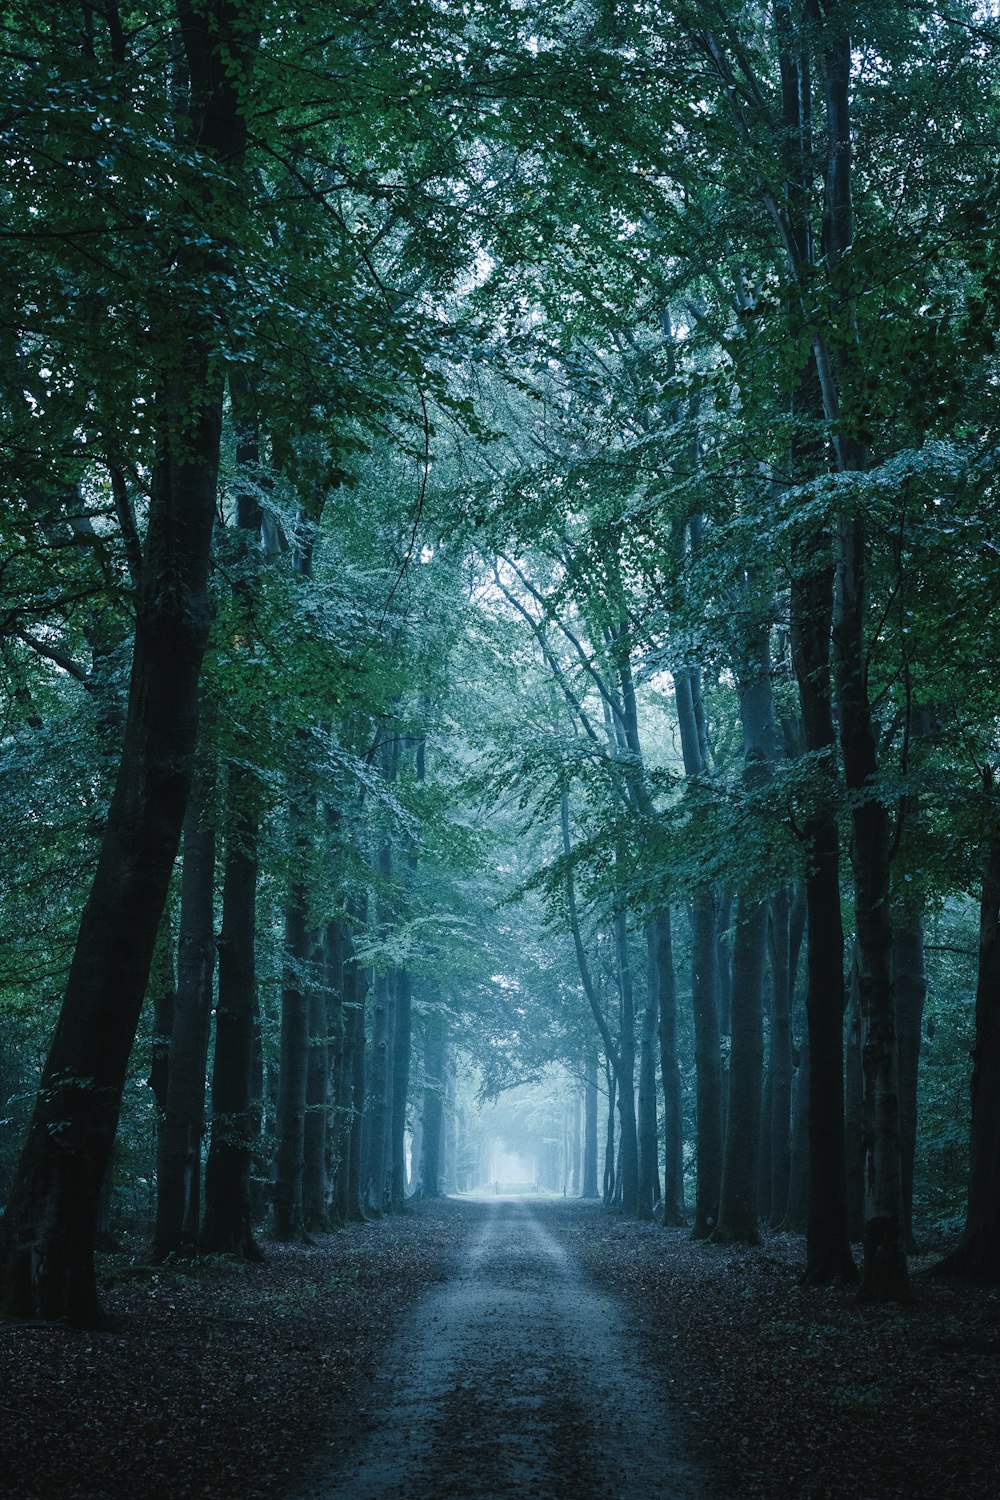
x=50 y=1224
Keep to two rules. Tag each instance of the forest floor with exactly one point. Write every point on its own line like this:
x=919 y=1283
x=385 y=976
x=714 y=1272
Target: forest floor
x=490 y=1348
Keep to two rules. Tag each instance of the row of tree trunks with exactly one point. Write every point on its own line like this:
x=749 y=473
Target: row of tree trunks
x=49 y=1227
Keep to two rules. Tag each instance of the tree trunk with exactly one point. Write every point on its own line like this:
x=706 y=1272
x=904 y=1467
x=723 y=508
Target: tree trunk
x=884 y=1273
x=315 y=1175
x=854 y=1113
x=704 y=990
x=609 y=1182
x=648 y=1145
x=338 y=1021
x=178 y=1180
x=356 y=996
x=300 y=944
x=796 y=1219
x=708 y=1067
x=435 y=1057
x=673 y=1112
x=163 y=988
x=228 y=1225
x=738 y=1213
x=450 y=1127
x=977 y=1254
x=628 y=1177
x=911 y=992
x=738 y=1196
x=378 y=1096
x=401 y=1045
x=49 y=1228
x=780 y=1071
x=589 y=1187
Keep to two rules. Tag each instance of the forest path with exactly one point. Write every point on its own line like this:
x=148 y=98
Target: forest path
x=516 y=1378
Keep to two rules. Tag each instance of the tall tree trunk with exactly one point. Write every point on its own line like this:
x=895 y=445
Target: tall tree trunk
x=179 y=1164
x=828 y=1254
x=738 y=1197
x=450 y=1173
x=237 y=1088
x=378 y=1096
x=356 y=996
x=911 y=992
x=49 y=1229
x=228 y=1224
x=163 y=987
x=659 y=933
x=854 y=1112
x=628 y=1177
x=609 y=1176
x=796 y=1219
x=315 y=1176
x=300 y=947
x=339 y=1083
x=435 y=1060
x=576 y=1144
x=589 y=1187
x=401 y=1045
x=334 y=952
x=738 y=1214
x=708 y=1067
x=884 y=1272
x=704 y=993
x=977 y=1254
x=648 y=1145
x=780 y=1071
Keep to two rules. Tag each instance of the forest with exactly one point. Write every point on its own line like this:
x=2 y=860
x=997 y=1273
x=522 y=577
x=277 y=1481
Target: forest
x=499 y=624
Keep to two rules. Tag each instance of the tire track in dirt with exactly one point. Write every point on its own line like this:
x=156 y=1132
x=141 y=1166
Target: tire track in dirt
x=515 y=1378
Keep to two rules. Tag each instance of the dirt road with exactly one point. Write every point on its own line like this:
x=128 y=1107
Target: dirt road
x=515 y=1378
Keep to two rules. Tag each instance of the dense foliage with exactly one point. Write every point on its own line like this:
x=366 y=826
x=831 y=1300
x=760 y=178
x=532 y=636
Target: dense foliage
x=592 y=411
